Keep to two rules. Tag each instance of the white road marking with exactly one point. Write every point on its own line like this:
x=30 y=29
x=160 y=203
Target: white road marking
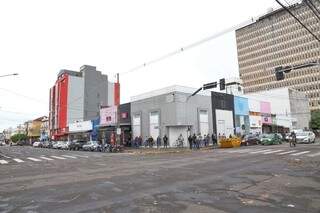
x=69 y=156
x=3 y=162
x=288 y=152
x=34 y=159
x=45 y=158
x=300 y=153
x=56 y=157
x=243 y=150
x=6 y=156
x=18 y=160
x=313 y=155
x=82 y=156
x=270 y=152
x=264 y=150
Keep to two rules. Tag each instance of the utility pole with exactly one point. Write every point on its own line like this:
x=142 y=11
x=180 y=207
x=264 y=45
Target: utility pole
x=118 y=134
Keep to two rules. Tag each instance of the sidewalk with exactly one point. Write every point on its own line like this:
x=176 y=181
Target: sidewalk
x=146 y=151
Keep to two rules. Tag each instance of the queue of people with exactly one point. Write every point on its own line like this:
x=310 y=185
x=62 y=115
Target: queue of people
x=195 y=141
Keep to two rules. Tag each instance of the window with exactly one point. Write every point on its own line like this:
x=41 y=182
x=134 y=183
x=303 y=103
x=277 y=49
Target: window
x=203 y=122
x=154 y=124
x=136 y=125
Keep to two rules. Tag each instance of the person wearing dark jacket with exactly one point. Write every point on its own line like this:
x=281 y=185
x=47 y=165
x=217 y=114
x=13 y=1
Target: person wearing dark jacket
x=214 y=140
x=158 y=141
x=165 y=141
x=190 y=141
x=194 y=140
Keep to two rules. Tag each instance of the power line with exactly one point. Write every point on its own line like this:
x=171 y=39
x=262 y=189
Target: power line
x=298 y=20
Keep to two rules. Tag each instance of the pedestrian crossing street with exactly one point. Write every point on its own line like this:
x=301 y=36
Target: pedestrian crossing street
x=279 y=152
x=8 y=160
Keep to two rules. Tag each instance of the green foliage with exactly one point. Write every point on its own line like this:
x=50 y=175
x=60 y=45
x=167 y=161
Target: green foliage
x=315 y=120
x=18 y=137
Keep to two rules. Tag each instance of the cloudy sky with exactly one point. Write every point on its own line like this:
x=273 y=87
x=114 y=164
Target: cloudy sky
x=40 y=37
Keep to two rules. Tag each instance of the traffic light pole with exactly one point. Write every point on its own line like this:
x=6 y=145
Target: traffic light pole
x=279 y=71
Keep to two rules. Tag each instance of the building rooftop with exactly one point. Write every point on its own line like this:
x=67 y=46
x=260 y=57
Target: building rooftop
x=270 y=12
x=166 y=90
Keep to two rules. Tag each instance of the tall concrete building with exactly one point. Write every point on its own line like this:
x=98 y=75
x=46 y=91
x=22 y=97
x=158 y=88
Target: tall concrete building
x=277 y=39
x=78 y=96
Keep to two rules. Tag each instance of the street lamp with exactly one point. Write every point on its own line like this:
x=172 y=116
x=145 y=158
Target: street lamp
x=9 y=75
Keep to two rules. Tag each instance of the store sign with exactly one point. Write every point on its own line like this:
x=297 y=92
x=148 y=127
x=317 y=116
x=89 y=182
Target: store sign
x=124 y=115
x=83 y=126
x=255 y=121
x=108 y=116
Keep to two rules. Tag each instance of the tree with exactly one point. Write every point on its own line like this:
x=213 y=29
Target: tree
x=18 y=137
x=315 y=120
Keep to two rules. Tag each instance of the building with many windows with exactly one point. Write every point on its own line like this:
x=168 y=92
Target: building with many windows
x=170 y=111
x=277 y=39
x=78 y=96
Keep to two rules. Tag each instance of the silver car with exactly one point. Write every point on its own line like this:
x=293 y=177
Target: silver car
x=305 y=137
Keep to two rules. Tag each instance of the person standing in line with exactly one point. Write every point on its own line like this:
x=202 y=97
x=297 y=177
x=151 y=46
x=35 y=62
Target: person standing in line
x=146 y=141
x=190 y=141
x=199 y=139
x=150 y=141
x=158 y=141
x=207 y=140
x=139 y=141
x=214 y=140
x=180 y=140
x=165 y=141
x=194 y=140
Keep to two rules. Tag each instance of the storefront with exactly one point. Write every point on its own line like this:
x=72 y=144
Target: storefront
x=108 y=124
x=80 y=131
x=241 y=111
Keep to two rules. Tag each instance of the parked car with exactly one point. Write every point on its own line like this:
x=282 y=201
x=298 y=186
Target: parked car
x=92 y=146
x=76 y=144
x=270 y=139
x=63 y=145
x=305 y=137
x=2 y=143
x=250 y=140
x=47 y=144
x=37 y=144
x=55 y=144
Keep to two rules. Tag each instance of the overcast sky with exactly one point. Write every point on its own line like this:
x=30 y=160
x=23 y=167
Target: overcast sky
x=40 y=37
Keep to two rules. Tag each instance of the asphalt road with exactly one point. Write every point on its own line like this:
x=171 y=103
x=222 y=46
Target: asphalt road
x=249 y=179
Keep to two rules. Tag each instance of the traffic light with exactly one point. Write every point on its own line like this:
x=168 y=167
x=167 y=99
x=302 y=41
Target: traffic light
x=279 y=73
x=222 y=84
x=210 y=85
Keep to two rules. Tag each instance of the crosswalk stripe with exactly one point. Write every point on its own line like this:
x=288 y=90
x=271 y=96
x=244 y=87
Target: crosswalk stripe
x=313 y=155
x=34 y=159
x=271 y=152
x=300 y=153
x=264 y=150
x=69 y=156
x=3 y=162
x=18 y=160
x=61 y=158
x=288 y=152
x=82 y=156
x=45 y=158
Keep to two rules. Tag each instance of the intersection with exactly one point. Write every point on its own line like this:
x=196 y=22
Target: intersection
x=248 y=179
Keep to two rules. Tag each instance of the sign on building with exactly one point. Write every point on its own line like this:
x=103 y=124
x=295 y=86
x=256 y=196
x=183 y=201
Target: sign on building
x=83 y=126
x=108 y=116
